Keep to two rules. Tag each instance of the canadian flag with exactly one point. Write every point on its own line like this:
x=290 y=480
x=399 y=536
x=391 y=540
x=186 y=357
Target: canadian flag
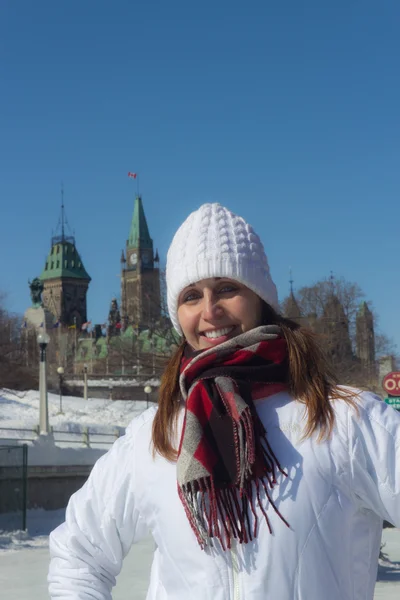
x=133 y=175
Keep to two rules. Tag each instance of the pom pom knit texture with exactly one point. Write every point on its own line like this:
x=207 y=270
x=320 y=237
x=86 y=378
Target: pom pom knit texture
x=214 y=242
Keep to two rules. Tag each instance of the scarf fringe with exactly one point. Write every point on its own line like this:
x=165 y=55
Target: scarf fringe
x=223 y=512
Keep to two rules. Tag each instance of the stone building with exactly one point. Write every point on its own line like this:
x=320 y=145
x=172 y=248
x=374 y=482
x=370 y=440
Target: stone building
x=365 y=335
x=292 y=310
x=140 y=275
x=137 y=337
x=65 y=280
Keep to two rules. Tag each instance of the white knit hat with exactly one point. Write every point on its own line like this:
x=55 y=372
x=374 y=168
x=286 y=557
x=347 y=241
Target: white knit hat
x=213 y=242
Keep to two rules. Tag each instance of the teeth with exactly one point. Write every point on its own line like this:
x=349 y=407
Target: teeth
x=217 y=332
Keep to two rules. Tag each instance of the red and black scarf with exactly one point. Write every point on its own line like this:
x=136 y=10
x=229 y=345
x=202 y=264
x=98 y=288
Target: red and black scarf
x=224 y=458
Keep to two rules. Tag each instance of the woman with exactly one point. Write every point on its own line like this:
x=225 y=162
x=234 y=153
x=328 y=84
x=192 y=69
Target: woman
x=256 y=475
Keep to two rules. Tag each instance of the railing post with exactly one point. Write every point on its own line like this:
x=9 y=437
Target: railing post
x=24 y=483
x=86 y=436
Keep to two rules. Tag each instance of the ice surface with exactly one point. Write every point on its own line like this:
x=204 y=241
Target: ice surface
x=24 y=563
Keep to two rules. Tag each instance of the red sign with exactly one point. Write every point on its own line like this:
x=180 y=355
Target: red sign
x=391 y=383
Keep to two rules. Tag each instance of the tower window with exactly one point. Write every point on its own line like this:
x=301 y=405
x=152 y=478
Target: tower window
x=47 y=266
x=52 y=264
x=66 y=249
x=65 y=264
x=72 y=263
x=58 y=264
x=58 y=248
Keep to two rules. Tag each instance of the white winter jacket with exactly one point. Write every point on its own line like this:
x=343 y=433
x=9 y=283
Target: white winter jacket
x=335 y=498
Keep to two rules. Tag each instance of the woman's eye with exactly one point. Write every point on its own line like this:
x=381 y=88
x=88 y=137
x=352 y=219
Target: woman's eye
x=227 y=289
x=190 y=297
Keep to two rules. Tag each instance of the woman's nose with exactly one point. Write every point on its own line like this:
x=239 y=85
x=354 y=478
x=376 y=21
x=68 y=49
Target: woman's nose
x=211 y=308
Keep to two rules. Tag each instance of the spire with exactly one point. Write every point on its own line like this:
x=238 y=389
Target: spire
x=291 y=281
x=332 y=283
x=62 y=213
x=139 y=236
x=292 y=309
x=63 y=260
x=62 y=223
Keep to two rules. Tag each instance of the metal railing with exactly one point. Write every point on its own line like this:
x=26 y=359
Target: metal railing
x=86 y=437
x=13 y=485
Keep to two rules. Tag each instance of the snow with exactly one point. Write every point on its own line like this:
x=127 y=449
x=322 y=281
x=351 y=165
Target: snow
x=21 y=409
x=27 y=554
x=105 y=420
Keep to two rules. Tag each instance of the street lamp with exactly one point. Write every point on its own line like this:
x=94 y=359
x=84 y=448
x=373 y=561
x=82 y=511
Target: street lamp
x=43 y=339
x=85 y=386
x=60 y=372
x=147 y=391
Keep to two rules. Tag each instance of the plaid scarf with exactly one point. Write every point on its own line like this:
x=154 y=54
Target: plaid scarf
x=224 y=457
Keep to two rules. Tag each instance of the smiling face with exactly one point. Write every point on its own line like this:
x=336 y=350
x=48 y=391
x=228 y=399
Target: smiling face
x=215 y=310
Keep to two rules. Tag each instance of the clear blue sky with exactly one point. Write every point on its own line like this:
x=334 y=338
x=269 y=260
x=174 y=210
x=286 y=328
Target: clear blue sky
x=286 y=112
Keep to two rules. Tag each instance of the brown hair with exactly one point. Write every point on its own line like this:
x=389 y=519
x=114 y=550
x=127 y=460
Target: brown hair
x=311 y=381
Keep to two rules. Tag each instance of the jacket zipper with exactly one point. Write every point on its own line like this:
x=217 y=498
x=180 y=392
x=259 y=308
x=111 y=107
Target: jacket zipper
x=235 y=571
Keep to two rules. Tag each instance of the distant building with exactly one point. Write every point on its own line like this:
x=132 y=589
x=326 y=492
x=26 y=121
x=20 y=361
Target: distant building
x=292 y=309
x=365 y=335
x=140 y=275
x=65 y=280
x=335 y=329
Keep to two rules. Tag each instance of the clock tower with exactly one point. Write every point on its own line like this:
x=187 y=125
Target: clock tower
x=140 y=276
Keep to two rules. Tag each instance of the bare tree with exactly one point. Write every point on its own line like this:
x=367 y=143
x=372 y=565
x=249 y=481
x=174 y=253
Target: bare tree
x=14 y=373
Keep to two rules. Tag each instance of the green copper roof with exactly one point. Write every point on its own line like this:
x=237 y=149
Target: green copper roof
x=64 y=261
x=139 y=236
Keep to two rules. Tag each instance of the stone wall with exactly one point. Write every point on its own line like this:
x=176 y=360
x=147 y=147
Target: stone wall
x=47 y=487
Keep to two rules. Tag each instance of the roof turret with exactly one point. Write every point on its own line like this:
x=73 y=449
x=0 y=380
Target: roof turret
x=64 y=261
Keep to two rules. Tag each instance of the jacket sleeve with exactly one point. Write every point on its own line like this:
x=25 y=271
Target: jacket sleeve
x=101 y=524
x=374 y=437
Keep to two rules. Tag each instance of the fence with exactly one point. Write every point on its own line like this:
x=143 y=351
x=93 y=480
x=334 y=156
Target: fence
x=86 y=436
x=13 y=487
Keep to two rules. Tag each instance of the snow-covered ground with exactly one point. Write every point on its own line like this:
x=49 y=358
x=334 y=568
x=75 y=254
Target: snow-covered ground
x=24 y=561
x=81 y=432
x=21 y=409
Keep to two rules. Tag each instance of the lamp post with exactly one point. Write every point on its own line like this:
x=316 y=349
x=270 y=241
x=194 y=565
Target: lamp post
x=147 y=391
x=60 y=372
x=43 y=339
x=85 y=386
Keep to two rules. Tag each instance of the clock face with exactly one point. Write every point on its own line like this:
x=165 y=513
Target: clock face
x=133 y=258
